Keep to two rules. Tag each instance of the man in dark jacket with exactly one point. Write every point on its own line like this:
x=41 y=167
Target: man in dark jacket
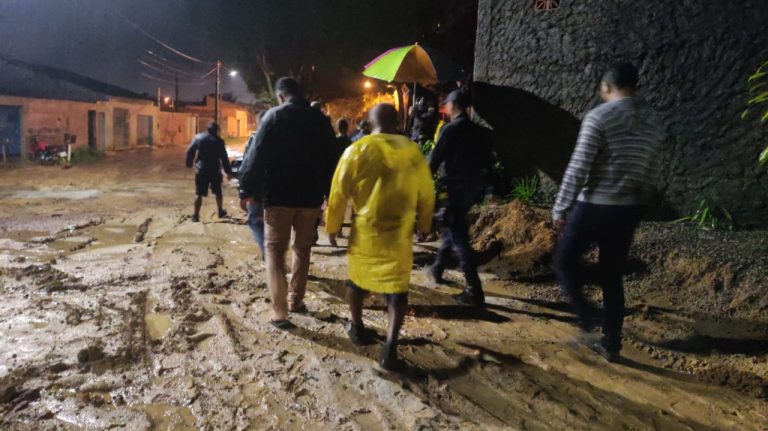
x=462 y=157
x=289 y=167
x=211 y=154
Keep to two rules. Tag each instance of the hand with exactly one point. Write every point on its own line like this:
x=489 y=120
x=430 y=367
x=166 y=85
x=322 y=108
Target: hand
x=559 y=225
x=244 y=203
x=332 y=239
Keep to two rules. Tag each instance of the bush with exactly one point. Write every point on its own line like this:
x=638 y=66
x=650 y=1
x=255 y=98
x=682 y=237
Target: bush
x=85 y=155
x=758 y=103
x=525 y=190
x=709 y=217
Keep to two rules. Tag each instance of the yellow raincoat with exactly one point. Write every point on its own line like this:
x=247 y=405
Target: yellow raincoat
x=390 y=185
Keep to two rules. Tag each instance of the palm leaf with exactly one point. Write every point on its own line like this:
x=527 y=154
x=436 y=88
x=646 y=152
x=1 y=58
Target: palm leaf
x=763 y=159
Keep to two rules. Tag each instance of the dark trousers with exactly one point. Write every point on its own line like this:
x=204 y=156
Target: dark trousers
x=612 y=229
x=454 y=230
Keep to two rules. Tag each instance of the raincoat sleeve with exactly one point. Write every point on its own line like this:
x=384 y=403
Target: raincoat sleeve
x=425 y=204
x=341 y=190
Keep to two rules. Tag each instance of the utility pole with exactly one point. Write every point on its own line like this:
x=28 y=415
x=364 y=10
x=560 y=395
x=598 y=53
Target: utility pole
x=159 y=105
x=176 y=101
x=218 y=92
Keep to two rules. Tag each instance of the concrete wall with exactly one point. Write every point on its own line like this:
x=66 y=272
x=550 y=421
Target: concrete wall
x=537 y=74
x=51 y=119
x=175 y=128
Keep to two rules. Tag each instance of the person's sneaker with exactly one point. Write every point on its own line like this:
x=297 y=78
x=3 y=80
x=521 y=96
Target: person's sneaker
x=222 y=213
x=468 y=297
x=436 y=274
x=359 y=335
x=195 y=218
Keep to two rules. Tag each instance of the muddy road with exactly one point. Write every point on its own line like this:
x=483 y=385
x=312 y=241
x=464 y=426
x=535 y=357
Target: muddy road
x=118 y=312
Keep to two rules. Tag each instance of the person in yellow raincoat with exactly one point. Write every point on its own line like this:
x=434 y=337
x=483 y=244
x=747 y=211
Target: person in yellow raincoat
x=390 y=185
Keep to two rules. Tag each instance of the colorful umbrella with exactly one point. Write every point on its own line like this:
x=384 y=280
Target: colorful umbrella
x=413 y=63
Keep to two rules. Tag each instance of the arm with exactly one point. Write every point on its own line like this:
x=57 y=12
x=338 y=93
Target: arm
x=254 y=161
x=191 y=152
x=438 y=153
x=576 y=175
x=425 y=204
x=224 y=157
x=341 y=190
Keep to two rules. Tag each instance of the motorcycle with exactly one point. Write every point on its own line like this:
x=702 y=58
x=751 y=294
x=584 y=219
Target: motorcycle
x=46 y=154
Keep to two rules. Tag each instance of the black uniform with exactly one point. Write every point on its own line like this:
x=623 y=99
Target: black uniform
x=463 y=158
x=211 y=156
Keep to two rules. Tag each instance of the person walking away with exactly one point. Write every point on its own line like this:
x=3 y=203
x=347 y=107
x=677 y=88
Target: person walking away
x=609 y=179
x=254 y=208
x=389 y=183
x=289 y=167
x=363 y=130
x=463 y=158
x=208 y=154
x=342 y=142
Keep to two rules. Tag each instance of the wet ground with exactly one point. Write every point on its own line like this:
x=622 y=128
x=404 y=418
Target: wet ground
x=118 y=312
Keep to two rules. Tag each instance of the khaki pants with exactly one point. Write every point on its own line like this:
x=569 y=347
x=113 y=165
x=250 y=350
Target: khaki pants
x=278 y=223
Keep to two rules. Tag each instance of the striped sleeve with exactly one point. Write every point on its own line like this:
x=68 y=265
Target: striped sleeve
x=576 y=175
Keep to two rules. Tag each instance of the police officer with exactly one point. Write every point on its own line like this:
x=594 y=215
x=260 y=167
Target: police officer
x=463 y=157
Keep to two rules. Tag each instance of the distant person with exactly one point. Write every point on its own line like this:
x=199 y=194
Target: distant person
x=423 y=118
x=463 y=159
x=388 y=181
x=320 y=106
x=254 y=208
x=288 y=168
x=363 y=130
x=208 y=154
x=608 y=181
x=342 y=136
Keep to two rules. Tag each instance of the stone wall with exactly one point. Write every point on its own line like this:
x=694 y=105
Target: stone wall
x=537 y=74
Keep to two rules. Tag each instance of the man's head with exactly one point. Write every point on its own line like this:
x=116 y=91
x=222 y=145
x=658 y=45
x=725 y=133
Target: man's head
x=318 y=105
x=384 y=118
x=457 y=102
x=288 y=89
x=213 y=128
x=620 y=80
x=364 y=126
x=343 y=126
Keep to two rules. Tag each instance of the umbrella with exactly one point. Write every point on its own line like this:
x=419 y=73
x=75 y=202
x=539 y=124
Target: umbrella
x=413 y=63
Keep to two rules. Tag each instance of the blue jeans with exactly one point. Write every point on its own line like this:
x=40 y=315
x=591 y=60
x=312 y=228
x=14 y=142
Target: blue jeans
x=256 y=223
x=612 y=229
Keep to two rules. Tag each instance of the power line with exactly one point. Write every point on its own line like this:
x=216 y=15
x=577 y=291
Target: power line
x=168 y=81
x=163 y=44
x=158 y=61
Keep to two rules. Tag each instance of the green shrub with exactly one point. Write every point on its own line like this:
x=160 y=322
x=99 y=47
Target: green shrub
x=525 y=190
x=709 y=217
x=85 y=155
x=758 y=102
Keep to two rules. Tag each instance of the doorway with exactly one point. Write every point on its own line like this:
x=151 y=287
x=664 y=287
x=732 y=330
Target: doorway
x=121 y=128
x=144 y=130
x=10 y=129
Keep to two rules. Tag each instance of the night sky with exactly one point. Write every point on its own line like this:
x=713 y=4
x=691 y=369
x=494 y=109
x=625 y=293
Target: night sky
x=337 y=37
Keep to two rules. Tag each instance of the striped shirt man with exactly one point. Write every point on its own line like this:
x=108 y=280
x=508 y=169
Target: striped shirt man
x=615 y=159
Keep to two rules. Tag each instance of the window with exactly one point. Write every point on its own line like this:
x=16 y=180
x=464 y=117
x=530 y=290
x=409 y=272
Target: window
x=541 y=5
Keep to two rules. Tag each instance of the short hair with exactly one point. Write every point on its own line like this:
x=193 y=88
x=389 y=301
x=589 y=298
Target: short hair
x=289 y=87
x=213 y=127
x=317 y=105
x=342 y=125
x=622 y=75
x=384 y=115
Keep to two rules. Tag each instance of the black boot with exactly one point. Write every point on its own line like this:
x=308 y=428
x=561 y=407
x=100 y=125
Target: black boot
x=472 y=297
x=436 y=271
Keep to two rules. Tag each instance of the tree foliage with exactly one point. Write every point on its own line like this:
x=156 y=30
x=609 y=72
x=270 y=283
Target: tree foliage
x=758 y=102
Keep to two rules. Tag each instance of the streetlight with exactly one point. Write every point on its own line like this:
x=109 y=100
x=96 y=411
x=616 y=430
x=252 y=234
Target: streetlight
x=232 y=73
x=368 y=85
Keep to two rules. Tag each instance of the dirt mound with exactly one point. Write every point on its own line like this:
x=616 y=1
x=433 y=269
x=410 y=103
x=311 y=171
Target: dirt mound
x=519 y=238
